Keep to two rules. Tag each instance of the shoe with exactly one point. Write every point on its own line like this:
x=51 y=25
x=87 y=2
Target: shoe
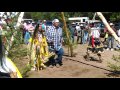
x=112 y=49
x=60 y=63
x=99 y=51
x=107 y=49
x=57 y=65
x=51 y=66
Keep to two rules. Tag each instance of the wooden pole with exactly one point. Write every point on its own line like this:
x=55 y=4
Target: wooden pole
x=108 y=26
x=67 y=34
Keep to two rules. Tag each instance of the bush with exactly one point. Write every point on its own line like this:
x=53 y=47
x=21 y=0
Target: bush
x=116 y=65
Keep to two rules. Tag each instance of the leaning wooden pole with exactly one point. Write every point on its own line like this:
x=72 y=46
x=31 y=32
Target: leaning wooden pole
x=67 y=34
x=108 y=26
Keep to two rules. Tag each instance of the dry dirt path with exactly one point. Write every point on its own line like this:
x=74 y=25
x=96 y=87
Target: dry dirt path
x=78 y=67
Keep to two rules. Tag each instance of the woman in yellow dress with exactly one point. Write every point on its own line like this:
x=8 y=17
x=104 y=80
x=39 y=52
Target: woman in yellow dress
x=40 y=52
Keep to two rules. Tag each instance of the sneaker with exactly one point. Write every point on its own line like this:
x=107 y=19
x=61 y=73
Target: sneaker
x=112 y=49
x=57 y=65
x=99 y=51
x=107 y=49
x=60 y=63
x=51 y=66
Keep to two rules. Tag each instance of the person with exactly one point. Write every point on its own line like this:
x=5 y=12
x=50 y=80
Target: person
x=94 y=35
x=54 y=39
x=44 y=25
x=118 y=34
x=95 y=41
x=85 y=36
x=82 y=33
x=7 y=70
x=72 y=28
x=78 y=29
x=110 y=38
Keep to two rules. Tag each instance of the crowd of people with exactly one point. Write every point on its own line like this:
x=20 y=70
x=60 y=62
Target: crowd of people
x=81 y=33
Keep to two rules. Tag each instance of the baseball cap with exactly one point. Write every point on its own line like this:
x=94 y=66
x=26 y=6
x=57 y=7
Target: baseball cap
x=111 y=24
x=55 y=20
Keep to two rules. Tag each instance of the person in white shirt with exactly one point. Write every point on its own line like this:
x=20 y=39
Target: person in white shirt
x=78 y=30
x=95 y=32
x=7 y=70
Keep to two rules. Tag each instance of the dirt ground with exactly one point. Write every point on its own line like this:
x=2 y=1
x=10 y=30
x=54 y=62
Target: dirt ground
x=78 y=67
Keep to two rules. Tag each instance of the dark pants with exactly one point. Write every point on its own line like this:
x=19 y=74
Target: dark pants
x=4 y=75
x=58 y=60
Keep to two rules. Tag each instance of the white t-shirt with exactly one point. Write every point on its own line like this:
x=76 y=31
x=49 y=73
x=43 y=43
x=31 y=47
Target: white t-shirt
x=78 y=28
x=8 y=67
x=95 y=33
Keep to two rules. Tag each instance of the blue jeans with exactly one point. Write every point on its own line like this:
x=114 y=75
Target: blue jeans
x=85 y=37
x=59 y=57
x=110 y=42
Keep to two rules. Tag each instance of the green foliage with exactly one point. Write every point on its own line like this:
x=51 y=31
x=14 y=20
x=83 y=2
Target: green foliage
x=18 y=38
x=116 y=65
x=52 y=15
x=115 y=16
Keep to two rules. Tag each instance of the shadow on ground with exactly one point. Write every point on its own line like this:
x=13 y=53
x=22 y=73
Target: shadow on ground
x=113 y=74
x=91 y=58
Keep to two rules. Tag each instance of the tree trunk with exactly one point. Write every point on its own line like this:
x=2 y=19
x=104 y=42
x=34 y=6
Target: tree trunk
x=108 y=26
x=67 y=34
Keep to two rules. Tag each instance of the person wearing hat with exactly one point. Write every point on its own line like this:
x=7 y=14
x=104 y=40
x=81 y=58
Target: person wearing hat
x=78 y=31
x=54 y=39
x=110 y=38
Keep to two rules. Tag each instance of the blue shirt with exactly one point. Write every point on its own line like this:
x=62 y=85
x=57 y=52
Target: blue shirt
x=54 y=35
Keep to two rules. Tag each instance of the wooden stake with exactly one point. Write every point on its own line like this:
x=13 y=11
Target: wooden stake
x=67 y=34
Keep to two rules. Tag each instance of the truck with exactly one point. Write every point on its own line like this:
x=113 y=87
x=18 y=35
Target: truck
x=79 y=20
